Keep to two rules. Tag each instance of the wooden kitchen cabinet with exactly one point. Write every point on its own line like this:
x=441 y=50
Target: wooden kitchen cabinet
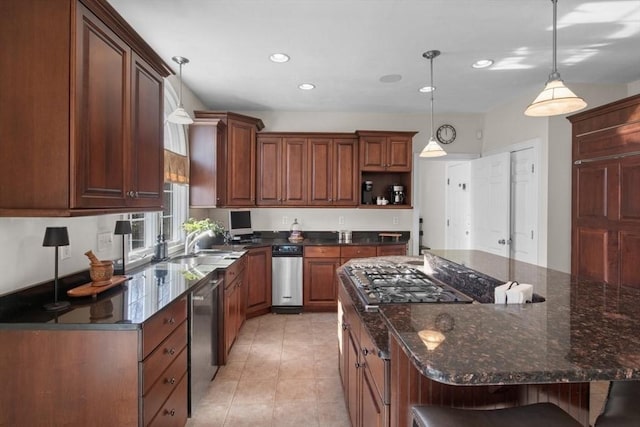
x=98 y=144
x=333 y=171
x=234 y=159
x=391 y=250
x=132 y=376
x=282 y=177
x=359 y=251
x=320 y=284
x=382 y=151
x=605 y=201
x=234 y=305
x=258 y=278
x=364 y=375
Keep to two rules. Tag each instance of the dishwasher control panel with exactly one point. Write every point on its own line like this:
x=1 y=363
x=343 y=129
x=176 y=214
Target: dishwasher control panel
x=287 y=250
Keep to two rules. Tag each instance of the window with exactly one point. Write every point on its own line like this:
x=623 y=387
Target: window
x=147 y=227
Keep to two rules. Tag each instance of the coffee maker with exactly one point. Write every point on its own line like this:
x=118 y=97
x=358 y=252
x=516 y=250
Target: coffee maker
x=396 y=194
x=367 y=192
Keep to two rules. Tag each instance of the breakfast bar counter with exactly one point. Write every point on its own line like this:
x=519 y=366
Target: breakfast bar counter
x=494 y=355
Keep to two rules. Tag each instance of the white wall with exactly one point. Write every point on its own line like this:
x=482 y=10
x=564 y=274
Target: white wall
x=25 y=262
x=506 y=125
x=633 y=88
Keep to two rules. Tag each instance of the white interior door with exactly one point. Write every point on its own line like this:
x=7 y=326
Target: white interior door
x=524 y=205
x=458 y=225
x=490 y=201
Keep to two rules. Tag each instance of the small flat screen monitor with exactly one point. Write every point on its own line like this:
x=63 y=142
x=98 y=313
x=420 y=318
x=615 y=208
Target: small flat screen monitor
x=240 y=222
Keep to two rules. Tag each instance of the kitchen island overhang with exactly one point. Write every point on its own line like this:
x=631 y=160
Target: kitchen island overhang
x=584 y=331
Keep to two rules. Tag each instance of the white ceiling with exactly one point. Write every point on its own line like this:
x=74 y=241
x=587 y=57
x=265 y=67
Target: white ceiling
x=344 y=47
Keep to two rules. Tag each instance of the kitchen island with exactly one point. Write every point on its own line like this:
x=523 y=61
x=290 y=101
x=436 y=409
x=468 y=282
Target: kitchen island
x=503 y=355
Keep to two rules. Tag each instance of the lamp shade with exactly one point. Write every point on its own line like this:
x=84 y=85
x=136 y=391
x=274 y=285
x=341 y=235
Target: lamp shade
x=122 y=228
x=555 y=99
x=432 y=149
x=180 y=116
x=56 y=236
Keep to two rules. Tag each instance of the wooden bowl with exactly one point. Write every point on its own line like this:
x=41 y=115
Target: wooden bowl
x=101 y=273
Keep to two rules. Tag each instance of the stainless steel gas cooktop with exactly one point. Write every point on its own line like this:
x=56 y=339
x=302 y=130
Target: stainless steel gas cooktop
x=391 y=283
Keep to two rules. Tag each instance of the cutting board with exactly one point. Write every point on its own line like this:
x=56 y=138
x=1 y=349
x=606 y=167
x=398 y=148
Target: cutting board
x=88 y=289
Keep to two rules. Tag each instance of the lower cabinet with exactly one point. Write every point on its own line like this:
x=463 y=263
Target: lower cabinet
x=390 y=250
x=258 y=278
x=235 y=305
x=320 y=284
x=365 y=376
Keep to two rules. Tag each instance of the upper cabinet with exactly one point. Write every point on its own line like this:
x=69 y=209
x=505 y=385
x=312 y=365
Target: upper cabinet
x=235 y=151
x=382 y=151
x=84 y=131
x=307 y=169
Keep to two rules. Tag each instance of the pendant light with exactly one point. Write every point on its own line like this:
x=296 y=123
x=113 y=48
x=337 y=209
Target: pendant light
x=433 y=149
x=555 y=98
x=180 y=116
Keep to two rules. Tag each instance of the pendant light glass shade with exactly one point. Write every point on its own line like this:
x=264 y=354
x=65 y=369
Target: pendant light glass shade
x=432 y=149
x=180 y=115
x=555 y=98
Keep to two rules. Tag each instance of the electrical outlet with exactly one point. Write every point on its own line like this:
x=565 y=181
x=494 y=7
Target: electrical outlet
x=340 y=220
x=105 y=240
x=65 y=252
x=395 y=220
x=285 y=220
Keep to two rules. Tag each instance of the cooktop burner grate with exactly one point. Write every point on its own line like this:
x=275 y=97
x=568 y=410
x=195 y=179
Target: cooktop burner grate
x=391 y=283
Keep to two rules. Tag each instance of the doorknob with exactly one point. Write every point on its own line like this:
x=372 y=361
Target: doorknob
x=502 y=242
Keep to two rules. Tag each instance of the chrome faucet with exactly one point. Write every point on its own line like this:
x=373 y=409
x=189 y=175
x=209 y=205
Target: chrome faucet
x=193 y=237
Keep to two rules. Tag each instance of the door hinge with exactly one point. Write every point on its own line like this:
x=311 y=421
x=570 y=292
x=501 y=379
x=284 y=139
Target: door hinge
x=447 y=181
x=447 y=223
x=533 y=167
x=531 y=234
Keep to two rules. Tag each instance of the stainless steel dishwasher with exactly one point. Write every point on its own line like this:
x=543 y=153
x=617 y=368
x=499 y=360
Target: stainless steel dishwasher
x=286 y=278
x=204 y=324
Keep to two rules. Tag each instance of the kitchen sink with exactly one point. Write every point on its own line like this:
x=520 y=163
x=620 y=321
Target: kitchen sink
x=207 y=256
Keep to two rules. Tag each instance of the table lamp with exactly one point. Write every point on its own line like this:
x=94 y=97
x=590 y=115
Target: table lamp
x=56 y=236
x=122 y=228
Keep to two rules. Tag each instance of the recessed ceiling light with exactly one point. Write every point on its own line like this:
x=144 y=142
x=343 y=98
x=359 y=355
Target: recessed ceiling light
x=482 y=63
x=306 y=86
x=426 y=89
x=279 y=57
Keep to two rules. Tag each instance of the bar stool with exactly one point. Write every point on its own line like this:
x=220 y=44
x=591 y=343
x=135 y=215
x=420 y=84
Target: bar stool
x=622 y=408
x=535 y=415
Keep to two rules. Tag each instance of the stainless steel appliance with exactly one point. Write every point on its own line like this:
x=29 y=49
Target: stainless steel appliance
x=204 y=324
x=396 y=194
x=286 y=278
x=367 y=192
x=387 y=283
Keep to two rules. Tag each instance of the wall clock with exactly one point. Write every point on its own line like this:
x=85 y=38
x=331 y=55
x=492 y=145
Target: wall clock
x=446 y=134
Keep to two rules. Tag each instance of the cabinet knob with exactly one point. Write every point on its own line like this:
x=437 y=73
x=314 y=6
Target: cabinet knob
x=359 y=365
x=365 y=351
x=170 y=381
x=171 y=351
x=171 y=321
x=171 y=412
x=344 y=327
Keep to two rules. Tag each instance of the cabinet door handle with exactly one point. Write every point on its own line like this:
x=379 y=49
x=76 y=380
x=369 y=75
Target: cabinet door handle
x=170 y=381
x=171 y=351
x=171 y=321
x=365 y=351
x=359 y=365
x=344 y=327
x=171 y=412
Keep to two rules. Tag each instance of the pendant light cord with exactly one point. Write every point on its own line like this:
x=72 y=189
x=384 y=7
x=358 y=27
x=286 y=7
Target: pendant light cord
x=432 y=90
x=554 y=71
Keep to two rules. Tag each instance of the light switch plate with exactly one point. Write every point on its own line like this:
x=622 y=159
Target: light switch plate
x=105 y=240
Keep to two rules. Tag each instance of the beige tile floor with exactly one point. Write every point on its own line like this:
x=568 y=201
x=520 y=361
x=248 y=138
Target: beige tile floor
x=283 y=371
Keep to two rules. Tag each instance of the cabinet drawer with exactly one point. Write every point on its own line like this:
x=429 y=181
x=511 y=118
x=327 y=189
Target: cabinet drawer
x=357 y=251
x=173 y=413
x=166 y=353
x=156 y=329
x=386 y=250
x=376 y=365
x=162 y=388
x=322 y=251
x=234 y=270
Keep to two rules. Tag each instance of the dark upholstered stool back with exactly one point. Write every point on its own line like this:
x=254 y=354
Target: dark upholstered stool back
x=536 y=415
x=622 y=408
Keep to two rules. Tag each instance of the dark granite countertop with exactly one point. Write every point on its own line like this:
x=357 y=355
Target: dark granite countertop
x=150 y=289
x=584 y=331
x=319 y=238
